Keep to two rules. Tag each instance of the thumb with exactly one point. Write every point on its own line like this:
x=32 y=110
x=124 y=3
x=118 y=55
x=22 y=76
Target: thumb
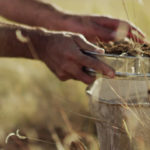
x=83 y=44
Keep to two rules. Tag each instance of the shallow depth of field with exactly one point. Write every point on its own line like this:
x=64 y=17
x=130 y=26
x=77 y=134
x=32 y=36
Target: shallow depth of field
x=45 y=113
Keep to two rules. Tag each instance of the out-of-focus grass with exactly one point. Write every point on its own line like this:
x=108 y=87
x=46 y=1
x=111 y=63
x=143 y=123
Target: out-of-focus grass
x=31 y=97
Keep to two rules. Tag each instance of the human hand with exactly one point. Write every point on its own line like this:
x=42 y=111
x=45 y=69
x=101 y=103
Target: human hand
x=61 y=51
x=64 y=57
x=92 y=27
x=103 y=28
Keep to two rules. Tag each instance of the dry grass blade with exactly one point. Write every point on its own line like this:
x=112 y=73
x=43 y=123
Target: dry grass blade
x=78 y=145
x=66 y=120
x=127 y=130
x=125 y=8
x=59 y=145
x=125 y=105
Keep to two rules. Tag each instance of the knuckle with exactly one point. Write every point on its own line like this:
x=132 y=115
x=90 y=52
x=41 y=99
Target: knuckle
x=78 y=36
x=92 y=63
x=62 y=76
x=81 y=36
x=82 y=59
x=81 y=76
x=64 y=67
x=125 y=23
x=77 y=73
x=96 y=65
x=67 y=35
x=69 y=56
x=87 y=79
x=73 y=55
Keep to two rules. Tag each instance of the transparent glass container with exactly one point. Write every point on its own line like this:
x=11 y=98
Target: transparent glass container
x=121 y=108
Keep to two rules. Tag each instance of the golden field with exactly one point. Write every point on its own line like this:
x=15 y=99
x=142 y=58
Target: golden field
x=33 y=100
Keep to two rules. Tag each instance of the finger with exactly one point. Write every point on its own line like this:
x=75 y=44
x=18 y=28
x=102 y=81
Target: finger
x=78 y=74
x=63 y=76
x=135 y=36
x=60 y=72
x=146 y=42
x=96 y=64
x=133 y=28
x=107 y=22
x=136 y=39
x=127 y=30
x=116 y=24
x=83 y=44
x=105 y=34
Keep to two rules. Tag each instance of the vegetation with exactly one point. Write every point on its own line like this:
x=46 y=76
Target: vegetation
x=49 y=113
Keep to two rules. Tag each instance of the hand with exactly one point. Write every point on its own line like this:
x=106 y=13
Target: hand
x=64 y=57
x=104 y=28
x=37 y=13
x=61 y=51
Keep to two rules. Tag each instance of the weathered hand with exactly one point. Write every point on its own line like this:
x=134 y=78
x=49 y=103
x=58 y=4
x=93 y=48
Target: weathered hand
x=104 y=28
x=37 y=13
x=64 y=57
x=61 y=51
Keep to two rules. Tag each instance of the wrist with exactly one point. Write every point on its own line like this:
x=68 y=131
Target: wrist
x=38 y=43
x=50 y=18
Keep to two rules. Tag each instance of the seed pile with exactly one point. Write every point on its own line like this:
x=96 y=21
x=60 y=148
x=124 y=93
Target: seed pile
x=126 y=47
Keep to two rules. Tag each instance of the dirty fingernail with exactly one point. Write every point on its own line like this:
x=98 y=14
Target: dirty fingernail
x=101 y=50
x=111 y=74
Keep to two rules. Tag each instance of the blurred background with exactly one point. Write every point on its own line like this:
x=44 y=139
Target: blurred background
x=50 y=113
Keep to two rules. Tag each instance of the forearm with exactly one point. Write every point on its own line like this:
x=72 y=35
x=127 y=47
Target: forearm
x=32 y=12
x=11 y=45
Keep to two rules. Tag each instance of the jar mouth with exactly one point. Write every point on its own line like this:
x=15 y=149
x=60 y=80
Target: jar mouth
x=126 y=67
x=130 y=103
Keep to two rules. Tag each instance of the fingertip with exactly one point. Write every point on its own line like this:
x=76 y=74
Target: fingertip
x=108 y=71
x=91 y=47
x=100 y=50
x=140 y=32
x=111 y=74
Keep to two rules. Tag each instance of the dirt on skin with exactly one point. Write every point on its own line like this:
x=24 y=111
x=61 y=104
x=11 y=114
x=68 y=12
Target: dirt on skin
x=126 y=48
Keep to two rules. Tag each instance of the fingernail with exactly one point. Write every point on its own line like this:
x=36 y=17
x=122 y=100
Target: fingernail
x=111 y=74
x=101 y=50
